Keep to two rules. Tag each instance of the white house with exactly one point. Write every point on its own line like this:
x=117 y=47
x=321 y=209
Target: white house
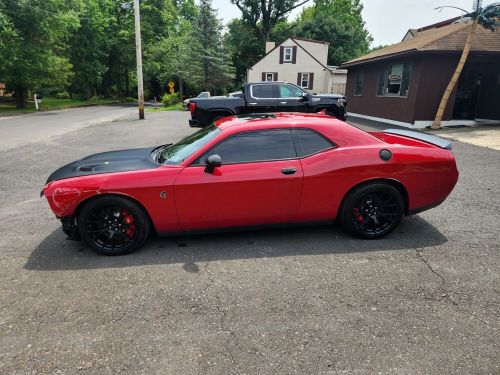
x=301 y=61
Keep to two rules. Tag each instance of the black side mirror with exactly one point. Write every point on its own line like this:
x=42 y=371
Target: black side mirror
x=212 y=162
x=304 y=97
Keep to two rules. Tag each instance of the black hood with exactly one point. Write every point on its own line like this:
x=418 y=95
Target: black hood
x=107 y=162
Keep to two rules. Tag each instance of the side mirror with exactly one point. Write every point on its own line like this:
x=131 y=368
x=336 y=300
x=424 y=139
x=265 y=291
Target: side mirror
x=212 y=162
x=304 y=97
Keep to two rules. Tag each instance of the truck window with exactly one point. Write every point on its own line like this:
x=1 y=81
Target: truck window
x=262 y=91
x=289 y=91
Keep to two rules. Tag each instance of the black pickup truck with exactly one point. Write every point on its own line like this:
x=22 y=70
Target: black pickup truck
x=265 y=97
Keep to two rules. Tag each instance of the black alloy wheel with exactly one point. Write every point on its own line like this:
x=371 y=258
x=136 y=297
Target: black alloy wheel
x=372 y=211
x=113 y=225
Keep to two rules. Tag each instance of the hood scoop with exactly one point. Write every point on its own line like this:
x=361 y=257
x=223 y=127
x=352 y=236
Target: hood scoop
x=84 y=168
x=107 y=162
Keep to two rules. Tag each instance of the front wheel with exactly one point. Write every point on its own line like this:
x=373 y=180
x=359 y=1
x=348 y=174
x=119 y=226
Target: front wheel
x=113 y=225
x=372 y=211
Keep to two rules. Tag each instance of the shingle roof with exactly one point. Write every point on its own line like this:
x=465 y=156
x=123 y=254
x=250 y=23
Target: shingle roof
x=447 y=38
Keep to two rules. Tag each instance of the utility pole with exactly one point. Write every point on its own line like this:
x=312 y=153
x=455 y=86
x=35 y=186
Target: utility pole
x=138 y=53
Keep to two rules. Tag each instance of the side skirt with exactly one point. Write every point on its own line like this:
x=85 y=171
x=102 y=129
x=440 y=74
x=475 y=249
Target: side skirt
x=248 y=228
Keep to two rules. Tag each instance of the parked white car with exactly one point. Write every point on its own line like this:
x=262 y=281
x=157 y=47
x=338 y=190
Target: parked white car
x=201 y=95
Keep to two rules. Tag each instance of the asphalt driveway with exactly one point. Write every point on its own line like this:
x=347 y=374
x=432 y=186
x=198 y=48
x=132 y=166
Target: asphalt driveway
x=308 y=300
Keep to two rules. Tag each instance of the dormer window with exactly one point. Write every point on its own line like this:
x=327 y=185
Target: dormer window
x=287 y=54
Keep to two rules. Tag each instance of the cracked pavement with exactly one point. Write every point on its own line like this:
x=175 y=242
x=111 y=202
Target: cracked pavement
x=308 y=300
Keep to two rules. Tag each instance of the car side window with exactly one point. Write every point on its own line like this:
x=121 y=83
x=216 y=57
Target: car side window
x=309 y=142
x=263 y=91
x=289 y=91
x=253 y=147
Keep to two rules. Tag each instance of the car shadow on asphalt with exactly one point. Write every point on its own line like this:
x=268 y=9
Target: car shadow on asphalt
x=57 y=253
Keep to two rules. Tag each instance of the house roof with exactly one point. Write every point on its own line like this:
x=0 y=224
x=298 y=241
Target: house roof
x=297 y=41
x=449 y=38
x=310 y=40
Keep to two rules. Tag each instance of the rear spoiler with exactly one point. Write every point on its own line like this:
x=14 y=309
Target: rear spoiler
x=432 y=139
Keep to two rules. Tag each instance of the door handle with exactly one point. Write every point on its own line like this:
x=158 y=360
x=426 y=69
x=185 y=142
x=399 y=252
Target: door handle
x=288 y=170
x=282 y=102
x=253 y=103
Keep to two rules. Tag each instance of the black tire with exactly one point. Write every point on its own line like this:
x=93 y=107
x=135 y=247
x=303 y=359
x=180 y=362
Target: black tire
x=113 y=225
x=372 y=211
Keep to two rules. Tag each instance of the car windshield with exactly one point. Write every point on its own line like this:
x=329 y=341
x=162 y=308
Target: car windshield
x=177 y=153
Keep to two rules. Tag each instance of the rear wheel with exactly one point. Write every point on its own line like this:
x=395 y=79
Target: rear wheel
x=113 y=225
x=372 y=211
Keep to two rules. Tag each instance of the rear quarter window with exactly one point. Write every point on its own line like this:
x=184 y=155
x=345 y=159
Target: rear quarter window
x=308 y=142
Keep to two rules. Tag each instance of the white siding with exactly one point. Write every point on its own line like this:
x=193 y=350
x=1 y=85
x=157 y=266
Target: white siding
x=288 y=71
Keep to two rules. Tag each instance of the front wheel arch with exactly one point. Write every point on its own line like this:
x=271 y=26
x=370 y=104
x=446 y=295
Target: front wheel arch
x=83 y=203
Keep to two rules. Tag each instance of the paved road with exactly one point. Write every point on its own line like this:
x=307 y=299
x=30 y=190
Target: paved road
x=424 y=300
x=21 y=130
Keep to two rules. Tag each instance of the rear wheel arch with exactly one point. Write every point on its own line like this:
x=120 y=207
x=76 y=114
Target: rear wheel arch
x=395 y=183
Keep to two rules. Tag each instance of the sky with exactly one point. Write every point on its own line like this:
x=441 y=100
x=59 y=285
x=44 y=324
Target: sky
x=386 y=20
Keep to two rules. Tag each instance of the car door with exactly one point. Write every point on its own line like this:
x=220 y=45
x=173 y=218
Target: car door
x=259 y=182
x=320 y=196
x=262 y=98
x=291 y=99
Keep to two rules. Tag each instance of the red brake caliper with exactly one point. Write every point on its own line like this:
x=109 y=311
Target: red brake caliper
x=128 y=219
x=358 y=216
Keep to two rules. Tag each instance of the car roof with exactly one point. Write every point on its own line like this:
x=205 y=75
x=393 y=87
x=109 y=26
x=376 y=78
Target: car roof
x=264 y=120
x=338 y=131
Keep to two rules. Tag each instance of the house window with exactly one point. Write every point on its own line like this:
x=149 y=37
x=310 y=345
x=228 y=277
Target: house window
x=304 y=80
x=269 y=77
x=394 y=80
x=287 y=54
x=360 y=80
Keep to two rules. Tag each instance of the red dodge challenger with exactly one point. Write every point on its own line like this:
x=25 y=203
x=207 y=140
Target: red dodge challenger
x=253 y=170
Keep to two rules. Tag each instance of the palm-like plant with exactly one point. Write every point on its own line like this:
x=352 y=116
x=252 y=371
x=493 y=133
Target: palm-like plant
x=487 y=17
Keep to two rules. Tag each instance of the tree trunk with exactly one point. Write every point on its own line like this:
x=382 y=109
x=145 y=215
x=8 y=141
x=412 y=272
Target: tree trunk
x=20 y=97
x=181 y=90
x=127 y=83
x=454 y=79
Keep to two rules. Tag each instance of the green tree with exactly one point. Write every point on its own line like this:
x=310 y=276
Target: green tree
x=245 y=48
x=35 y=35
x=211 y=60
x=263 y=15
x=88 y=49
x=338 y=22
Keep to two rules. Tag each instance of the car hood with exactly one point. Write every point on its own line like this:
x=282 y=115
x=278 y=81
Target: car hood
x=107 y=162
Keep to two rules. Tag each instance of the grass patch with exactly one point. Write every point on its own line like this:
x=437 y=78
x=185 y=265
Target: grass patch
x=162 y=108
x=48 y=104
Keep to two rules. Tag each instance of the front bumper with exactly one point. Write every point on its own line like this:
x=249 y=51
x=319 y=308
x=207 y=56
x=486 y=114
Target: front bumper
x=70 y=228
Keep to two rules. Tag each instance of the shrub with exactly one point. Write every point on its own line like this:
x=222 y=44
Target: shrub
x=62 y=95
x=170 y=99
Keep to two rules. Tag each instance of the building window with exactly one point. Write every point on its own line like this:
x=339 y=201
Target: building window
x=287 y=54
x=360 y=80
x=394 y=80
x=304 y=80
x=269 y=76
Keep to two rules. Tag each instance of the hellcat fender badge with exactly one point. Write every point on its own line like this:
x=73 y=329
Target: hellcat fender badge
x=163 y=194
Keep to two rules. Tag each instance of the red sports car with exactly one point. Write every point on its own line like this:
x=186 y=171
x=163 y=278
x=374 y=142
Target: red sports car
x=253 y=170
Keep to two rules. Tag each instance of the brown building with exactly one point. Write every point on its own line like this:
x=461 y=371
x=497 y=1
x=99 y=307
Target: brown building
x=402 y=84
